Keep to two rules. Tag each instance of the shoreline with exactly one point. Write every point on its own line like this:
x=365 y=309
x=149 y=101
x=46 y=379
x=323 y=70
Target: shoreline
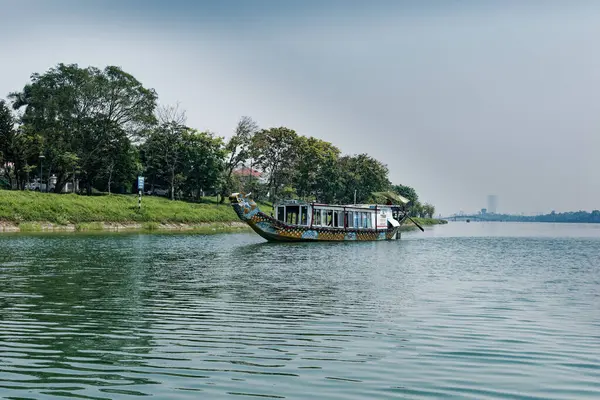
x=49 y=227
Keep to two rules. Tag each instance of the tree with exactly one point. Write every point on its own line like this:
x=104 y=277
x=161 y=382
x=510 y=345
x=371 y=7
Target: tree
x=316 y=169
x=19 y=149
x=164 y=149
x=407 y=192
x=119 y=166
x=7 y=135
x=428 y=210
x=238 y=148
x=276 y=153
x=203 y=162
x=363 y=175
x=79 y=112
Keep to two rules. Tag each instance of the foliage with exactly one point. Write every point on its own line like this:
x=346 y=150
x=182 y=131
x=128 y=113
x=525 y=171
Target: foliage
x=7 y=139
x=566 y=217
x=239 y=150
x=317 y=169
x=428 y=210
x=416 y=209
x=363 y=175
x=407 y=192
x=186 y=160
x=6 y=131
x=85 y=119
x=164 y=151
x=103 y=128
x=276 y=154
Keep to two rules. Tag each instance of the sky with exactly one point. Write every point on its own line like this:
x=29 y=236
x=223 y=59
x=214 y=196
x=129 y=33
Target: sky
x=460 y=99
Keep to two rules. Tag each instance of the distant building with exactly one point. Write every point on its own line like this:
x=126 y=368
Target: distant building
x=247 y=172
x=483 y=211
x=492 y=201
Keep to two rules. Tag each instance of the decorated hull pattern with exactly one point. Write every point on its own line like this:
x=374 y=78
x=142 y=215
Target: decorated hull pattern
x=275 y=230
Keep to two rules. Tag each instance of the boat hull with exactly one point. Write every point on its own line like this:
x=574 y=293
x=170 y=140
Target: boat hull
x=274 y=230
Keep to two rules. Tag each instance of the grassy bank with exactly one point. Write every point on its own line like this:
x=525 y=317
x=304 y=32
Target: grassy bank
x=62 y=209
x=429 y=221
x=424 y=222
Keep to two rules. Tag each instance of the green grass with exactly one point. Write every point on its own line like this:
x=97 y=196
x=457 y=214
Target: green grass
x=429 y=221
x=30 y=227
x=150 y=226
x=408 y=225
x=62 y=209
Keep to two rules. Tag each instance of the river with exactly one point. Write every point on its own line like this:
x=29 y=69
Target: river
x=473 y=311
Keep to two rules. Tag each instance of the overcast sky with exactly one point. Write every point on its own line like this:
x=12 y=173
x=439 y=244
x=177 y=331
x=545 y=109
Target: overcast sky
x=460 y=99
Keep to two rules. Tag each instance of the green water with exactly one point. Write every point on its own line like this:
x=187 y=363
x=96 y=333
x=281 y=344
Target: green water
x=480 y=311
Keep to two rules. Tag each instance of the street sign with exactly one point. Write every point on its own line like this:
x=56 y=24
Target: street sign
x=140 y=190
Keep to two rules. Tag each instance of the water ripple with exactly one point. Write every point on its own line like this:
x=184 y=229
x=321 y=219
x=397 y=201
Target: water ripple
x=183 y=316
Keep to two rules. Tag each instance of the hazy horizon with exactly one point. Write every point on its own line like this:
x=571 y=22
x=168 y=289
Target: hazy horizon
x=459 y=99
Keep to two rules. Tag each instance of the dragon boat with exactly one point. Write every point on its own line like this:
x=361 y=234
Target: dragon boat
x=299 y=221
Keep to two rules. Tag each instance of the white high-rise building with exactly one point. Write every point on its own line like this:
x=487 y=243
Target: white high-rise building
x=492 y=204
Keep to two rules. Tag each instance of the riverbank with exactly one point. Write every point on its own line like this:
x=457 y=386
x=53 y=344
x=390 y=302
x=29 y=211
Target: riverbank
x=212 y=227
x=48 y=212
x=408 y=225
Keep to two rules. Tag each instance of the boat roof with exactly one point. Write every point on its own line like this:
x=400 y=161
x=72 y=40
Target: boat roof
x=395 y=198
x=360 y=206
x=392 y=196
x=291 y=202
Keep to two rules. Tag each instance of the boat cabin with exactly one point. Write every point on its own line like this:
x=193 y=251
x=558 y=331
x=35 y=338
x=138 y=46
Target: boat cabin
x=361 y=216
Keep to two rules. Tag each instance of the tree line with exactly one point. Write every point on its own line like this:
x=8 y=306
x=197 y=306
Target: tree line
x=103 y=128
x=567 y=217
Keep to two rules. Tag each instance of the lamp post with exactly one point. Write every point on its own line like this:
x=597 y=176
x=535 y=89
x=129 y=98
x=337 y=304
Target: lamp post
x=41 y=157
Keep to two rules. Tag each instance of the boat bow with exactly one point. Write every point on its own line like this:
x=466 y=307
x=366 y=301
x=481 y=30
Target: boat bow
x=244 y=206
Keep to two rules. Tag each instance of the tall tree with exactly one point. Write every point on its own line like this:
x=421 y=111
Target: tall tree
x=363 y=175
x=316 y=164
x=428 y=210
x=7 y=135
x=276 y=154
x=203 y=162
x=238 y=148
x=407 y=192
x=77 y=111
x=164 y=148
x=19 y=149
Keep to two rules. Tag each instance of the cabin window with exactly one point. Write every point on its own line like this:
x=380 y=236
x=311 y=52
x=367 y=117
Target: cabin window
x=291 y=215
x=368 y=222
x=281 y=213
x=329 y=221
x=317 y=219
x=304 y=215
x=339 y=219
x=350 y=219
